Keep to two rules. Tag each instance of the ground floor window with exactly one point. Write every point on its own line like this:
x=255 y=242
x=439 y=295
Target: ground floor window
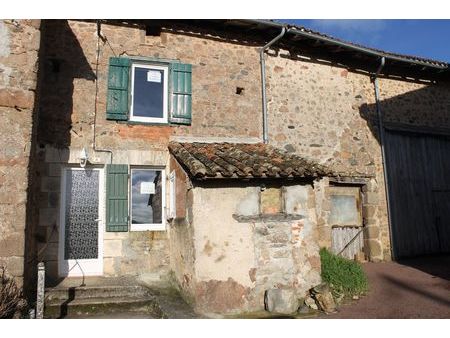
x=147 y=199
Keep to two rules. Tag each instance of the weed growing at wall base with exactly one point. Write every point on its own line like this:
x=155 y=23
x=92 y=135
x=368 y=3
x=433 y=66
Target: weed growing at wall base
x=343 y=275
x=10 y=295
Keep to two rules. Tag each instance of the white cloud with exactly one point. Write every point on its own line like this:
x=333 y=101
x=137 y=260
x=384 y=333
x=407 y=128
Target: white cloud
x=362 y=26
x=367 y=31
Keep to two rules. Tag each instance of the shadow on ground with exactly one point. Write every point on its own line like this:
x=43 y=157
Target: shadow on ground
x=438 y=266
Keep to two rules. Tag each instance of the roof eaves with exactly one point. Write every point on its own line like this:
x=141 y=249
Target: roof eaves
x=293 y=29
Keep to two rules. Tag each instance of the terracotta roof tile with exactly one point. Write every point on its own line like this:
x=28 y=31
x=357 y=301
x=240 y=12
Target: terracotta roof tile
x=242 y=160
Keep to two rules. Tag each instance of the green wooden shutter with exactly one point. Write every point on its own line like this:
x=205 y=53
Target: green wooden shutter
x=117 y=197
x=118 y=77
x=181 y=93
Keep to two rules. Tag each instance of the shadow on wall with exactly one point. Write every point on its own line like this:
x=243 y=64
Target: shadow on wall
x=32 y=216
x=217 y=33
x=63 y=61
x=417 y=145
x=427 y=107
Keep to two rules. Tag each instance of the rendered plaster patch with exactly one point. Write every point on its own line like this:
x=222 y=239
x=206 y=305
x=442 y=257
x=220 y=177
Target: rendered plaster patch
x=4 y=40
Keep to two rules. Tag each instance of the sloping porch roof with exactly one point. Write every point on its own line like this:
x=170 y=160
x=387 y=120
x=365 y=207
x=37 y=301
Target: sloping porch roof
x=242 y=160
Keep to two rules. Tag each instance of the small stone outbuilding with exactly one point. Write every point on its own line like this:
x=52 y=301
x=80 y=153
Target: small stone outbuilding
x=243 y=221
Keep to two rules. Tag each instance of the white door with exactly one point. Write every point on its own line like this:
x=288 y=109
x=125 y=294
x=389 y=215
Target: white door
x=81 y=222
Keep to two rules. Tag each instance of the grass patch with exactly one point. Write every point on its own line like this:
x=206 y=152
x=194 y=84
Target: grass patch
x=343 y=275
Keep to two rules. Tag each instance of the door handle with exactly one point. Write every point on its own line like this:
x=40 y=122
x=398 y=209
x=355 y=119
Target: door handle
x=97 y=220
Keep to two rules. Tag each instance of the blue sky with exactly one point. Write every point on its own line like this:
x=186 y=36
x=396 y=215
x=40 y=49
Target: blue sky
x=425 y=38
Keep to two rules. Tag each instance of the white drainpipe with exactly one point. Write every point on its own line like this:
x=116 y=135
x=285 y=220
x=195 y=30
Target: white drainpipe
x=263 y=83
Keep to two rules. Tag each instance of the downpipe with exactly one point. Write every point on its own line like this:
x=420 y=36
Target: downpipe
x=383 y=151
x=263 y=82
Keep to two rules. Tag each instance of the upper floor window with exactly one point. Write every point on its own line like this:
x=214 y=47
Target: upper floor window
x=149 y=91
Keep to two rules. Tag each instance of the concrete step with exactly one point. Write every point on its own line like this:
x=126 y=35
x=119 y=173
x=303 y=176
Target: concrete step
x=86 y=292
x=100 y=301
x=89 y=307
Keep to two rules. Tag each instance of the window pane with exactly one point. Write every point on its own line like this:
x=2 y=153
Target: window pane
x=146 y=196
x=343 y=210
x=148 y=92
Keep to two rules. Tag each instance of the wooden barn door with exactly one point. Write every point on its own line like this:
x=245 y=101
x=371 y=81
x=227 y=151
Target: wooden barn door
x=442 y=219
x=418 y=166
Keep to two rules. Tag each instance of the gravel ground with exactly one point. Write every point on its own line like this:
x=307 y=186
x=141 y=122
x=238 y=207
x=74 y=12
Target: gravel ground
x=413 y=288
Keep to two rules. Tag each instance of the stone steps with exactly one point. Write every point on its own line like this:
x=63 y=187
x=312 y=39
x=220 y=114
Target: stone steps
x=95 y=306
x=113 y=298
x=86 y=292
x=68 y=301
x=100 y=301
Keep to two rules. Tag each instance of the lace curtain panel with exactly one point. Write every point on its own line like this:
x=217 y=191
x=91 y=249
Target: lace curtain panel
x=81 y=227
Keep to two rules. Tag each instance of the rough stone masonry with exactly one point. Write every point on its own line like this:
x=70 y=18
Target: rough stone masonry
x=316 y=109
x=19 y=49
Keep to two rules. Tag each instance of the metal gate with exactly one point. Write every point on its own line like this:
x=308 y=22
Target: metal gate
x=418 y=166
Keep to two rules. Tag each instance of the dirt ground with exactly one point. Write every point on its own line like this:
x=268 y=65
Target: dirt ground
x=413 y=288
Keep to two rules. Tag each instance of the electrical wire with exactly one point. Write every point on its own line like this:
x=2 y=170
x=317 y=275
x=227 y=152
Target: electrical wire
x=96 y=92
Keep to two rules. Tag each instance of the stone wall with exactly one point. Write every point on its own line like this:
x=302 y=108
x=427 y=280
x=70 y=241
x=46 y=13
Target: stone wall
x=327 y=113
x=182 y=253
x=19 y=47
x=246 y=243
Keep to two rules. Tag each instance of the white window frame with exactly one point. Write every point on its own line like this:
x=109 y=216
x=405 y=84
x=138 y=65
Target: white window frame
x=172 y=196
x=150 y=226
x=165 y=70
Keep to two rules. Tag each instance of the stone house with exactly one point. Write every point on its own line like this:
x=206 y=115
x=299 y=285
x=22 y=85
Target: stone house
x=99 y=177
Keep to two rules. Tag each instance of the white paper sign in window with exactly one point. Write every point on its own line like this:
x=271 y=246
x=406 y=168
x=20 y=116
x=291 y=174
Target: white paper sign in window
x=154 y=76
x=147 y=188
